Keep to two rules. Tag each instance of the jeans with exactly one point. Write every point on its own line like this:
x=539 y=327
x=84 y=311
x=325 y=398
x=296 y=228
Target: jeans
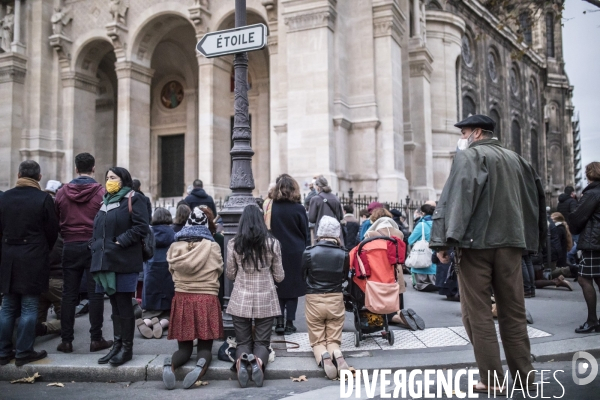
x=77 y=259
x=12 y=305
x=528 y=274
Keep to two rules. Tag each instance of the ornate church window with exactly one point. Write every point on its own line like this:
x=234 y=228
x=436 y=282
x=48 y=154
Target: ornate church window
x=469 y=107
x=491 y=64
x=467 y=54
x=514 y=81
x=515 y=133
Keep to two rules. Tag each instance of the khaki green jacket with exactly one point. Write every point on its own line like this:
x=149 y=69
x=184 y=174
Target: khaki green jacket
x=493 y=198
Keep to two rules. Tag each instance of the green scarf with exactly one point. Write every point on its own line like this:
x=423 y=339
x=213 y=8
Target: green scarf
x=115 y=198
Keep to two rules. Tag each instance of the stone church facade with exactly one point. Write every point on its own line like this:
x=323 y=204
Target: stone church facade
x=365 y=92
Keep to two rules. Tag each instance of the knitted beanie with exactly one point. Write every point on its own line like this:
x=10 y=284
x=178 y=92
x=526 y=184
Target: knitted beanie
x=328 y=227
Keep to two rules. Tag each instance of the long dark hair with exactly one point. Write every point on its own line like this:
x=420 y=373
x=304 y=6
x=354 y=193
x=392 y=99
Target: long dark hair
x=251 y=240
x=122 y=173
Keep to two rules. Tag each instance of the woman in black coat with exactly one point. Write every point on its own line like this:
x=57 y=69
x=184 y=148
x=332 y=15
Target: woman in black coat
x=119 y=228
x=289 y=225
x=585 y=222
x=159 y=289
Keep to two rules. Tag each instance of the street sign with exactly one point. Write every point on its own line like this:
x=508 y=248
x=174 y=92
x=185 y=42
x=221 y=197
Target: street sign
x=231 y=41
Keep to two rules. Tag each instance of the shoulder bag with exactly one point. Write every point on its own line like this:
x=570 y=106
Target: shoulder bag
x=420 y=254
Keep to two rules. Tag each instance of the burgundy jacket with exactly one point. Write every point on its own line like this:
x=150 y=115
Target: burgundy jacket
x=77 y=204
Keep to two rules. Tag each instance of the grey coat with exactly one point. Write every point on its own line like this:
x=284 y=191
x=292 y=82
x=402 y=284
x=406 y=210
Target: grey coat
x=318 y=208
x=492 y=198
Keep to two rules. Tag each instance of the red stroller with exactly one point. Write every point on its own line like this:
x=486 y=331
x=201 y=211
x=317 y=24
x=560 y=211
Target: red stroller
x=373 y=261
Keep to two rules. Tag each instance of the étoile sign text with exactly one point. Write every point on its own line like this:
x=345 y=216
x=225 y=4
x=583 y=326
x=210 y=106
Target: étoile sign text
x=231 y=41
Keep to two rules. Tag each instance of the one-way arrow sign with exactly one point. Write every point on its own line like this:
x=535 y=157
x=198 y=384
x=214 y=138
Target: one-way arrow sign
x=230 y=41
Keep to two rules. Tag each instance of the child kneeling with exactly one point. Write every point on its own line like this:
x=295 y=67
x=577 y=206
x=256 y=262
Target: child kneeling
x=325 y=268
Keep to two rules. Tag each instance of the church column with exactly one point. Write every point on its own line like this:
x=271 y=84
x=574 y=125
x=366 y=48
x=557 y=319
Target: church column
x=214 y=126
x=310 y=61
x=133 y=118
x=79 y=115
x=12 y=91
x=191 y=138
x=388 y=29
x=444 y=34
x=278 y=164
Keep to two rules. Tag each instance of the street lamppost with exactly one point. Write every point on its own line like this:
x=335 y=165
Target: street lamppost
x=242 y=180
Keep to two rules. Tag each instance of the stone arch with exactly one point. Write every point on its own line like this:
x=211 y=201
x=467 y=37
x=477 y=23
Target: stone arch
x=224 y=18
x=164 y=42
x=434 y=5
x=154 y=24
x=89 y=54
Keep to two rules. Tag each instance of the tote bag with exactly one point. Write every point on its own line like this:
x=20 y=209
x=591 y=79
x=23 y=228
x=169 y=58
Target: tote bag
x=420 y=254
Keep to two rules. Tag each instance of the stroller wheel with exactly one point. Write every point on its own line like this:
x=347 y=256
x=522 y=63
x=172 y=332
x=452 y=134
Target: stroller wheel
x=357 y=339
x=390 y=337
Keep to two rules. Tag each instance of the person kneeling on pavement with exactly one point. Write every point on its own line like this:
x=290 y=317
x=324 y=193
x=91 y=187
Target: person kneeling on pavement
x=195 y=263
x=325 y=268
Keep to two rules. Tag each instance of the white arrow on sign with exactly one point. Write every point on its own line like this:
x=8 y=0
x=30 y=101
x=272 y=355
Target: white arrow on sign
x=230 y=41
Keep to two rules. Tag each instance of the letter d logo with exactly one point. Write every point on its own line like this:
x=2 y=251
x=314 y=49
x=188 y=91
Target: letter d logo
x=590 y=364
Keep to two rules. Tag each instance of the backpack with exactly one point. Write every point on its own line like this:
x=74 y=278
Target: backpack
x=148 y=242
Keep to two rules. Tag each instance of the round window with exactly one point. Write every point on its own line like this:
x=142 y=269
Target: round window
x=171 y=95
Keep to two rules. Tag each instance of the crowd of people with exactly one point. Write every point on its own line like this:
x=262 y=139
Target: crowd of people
x=107 y=238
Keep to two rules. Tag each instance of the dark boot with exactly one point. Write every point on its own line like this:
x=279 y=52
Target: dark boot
x=289 y=327
x=126 y=352
x=279 y=327
x=116 y=343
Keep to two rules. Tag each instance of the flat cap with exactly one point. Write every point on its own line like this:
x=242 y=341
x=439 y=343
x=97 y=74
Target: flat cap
x=477 y=121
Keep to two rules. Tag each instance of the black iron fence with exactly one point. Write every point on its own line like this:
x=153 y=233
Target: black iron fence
x=359 y=203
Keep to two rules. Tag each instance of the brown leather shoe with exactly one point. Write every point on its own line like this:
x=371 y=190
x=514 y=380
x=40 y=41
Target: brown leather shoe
x=100 y=345
x=65 y=347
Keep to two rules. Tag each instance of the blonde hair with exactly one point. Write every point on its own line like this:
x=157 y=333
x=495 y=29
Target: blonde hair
x=558 y=217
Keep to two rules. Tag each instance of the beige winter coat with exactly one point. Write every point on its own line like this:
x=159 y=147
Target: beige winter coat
x=196 y=266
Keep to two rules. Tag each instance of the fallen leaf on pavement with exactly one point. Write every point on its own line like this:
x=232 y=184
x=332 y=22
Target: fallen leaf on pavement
x=29 y=379
x=57 y=384
x=301 y=378
x=201 y=383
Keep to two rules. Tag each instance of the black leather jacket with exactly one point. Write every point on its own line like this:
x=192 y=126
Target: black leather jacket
x=585 y=220
x=325 y=267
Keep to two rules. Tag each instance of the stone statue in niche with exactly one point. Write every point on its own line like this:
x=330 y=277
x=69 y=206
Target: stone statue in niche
x=8 y=28
x=118 y=9
x=60 y=18
x=171 y=95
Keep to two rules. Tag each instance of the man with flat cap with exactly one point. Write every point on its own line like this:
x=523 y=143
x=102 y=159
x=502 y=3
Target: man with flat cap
x=491 y=209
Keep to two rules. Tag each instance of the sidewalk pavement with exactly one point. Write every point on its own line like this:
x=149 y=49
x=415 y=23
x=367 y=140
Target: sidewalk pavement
x=443 y=344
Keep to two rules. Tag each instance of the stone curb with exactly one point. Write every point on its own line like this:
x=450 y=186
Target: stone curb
x=84 y=367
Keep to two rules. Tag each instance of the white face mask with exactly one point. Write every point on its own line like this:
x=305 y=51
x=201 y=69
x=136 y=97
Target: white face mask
x=463 y=144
